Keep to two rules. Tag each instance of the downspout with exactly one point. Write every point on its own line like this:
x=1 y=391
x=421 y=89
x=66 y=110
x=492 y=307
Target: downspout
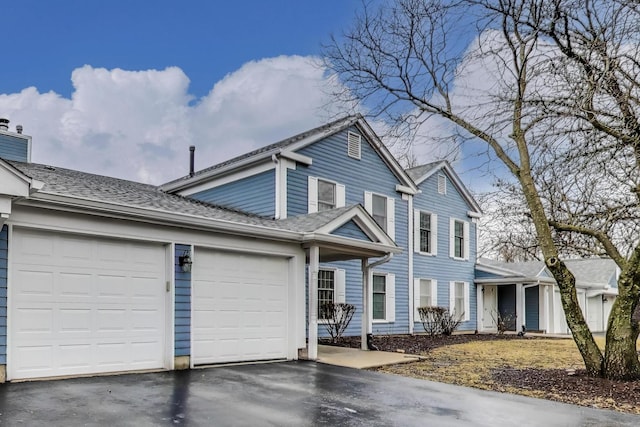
x=410 y=253
x=366 y=298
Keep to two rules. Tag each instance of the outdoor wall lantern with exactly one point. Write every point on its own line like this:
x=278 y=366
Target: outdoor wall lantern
x=185 y=262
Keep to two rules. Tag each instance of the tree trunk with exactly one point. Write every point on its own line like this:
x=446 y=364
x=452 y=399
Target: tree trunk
x=621 y=355
x=591 y=354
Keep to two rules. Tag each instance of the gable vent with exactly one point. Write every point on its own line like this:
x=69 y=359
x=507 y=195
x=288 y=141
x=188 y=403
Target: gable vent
x=353 y=145
x=442 y=184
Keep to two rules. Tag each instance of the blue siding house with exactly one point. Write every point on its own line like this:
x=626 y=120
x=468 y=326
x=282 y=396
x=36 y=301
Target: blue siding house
x=345 y=163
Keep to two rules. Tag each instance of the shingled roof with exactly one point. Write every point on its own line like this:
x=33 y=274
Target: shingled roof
x=91 y=187
x=266 y=151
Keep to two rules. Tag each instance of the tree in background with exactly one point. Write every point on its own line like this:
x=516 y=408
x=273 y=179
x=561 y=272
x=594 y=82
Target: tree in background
x=547 y=88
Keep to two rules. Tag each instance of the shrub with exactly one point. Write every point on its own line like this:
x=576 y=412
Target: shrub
x=438 y=320
x=337 y=316
x=504 y=321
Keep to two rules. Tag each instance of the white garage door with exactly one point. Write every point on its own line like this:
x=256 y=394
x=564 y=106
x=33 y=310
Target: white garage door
x=84 y=305
x=239 y=307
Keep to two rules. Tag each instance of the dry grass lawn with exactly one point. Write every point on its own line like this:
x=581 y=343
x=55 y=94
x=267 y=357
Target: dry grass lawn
x=475 y=363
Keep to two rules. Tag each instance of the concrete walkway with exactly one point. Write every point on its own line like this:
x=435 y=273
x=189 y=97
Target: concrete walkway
x=360 y=359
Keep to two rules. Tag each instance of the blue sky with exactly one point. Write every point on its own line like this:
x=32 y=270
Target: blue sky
x=206 y=39
x=91 y=80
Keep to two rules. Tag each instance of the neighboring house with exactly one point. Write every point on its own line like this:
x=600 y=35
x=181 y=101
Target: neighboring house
x=105 y=275
x=526 y=294
x=343 y=163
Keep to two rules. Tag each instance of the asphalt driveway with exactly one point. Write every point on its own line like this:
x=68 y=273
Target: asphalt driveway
x=280 y=394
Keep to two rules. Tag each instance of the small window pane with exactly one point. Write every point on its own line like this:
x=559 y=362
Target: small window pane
x=459 y=299
x=425 y=232
x=326 y=195
x=458 y=239
x=379 y=208
x=379 y=297
x=425 y=293
x=326 y=291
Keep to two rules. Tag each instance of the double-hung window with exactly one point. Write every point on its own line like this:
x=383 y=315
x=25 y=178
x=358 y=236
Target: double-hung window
x=331 y=289
x=382 y=209
x=459 y=239
x=425 y=294
x=324 y=194
x=425 y=232
x=459 y=304
x=326 y=291
x=383 y=299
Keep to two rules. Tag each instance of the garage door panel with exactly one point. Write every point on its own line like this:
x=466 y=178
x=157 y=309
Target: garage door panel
x=239 y=307
x=81 y=309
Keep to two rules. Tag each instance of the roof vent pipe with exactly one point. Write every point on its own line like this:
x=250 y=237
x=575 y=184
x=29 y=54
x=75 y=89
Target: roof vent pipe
x=192 y=151
x=4 y=124
x=19 y=129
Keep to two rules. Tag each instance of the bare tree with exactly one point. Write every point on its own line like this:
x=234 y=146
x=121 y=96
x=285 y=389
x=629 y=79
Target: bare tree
x=559 y=93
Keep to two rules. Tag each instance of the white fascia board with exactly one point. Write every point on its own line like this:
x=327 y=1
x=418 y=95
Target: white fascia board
x=154 y=216
x=364 y=221
x=299 y=158
x=348 y=242
x=406 y=190
x=513 y=280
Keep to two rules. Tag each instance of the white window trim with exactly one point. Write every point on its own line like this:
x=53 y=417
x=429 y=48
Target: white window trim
x=312 y=193
x=465 y=236
x=391 y=211
x=416 y=295
x=339 y=287
x=416 y=232
x=452 y=299
x=359 y=137
x=390 y=297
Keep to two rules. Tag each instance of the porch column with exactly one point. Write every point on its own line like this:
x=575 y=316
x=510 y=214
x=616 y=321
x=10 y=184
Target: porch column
x=519 y=306
x=314 y=266
x=365 y=306
x=480 y=307
x=546 y=309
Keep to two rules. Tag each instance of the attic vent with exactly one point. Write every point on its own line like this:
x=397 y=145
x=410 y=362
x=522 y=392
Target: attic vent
x=442 y=184
x=353 y=145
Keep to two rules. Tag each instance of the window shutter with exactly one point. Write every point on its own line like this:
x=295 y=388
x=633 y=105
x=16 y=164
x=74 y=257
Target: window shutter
x=312 y=194
x=452 y=231
x=391 y=218
x=416 y=299
x=467 y=304
x=452 y=296
x=368 y=202
x=434 y=292
x=390 y=298
x=340 y=195
x=466 y=240
x=434 y=234
x=416 y=230
x=341 y=281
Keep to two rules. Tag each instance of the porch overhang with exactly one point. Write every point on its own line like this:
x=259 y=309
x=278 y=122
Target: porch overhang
x=336 y=248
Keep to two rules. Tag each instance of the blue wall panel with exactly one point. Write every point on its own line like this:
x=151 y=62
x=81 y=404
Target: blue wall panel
x=351 y=230
x=442 y=267
x=532 y=308
x=255 y=194
x=182 y=321
x=13 y=148
x=369 y=173
x=4 y=240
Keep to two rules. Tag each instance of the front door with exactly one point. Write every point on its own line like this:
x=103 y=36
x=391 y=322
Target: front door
x=490 y=307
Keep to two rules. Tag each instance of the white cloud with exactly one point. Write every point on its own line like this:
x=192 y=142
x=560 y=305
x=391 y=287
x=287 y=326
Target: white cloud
x=138 y=124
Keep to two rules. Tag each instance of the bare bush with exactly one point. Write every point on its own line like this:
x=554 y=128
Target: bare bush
x=438 y=320
x=337 y=317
